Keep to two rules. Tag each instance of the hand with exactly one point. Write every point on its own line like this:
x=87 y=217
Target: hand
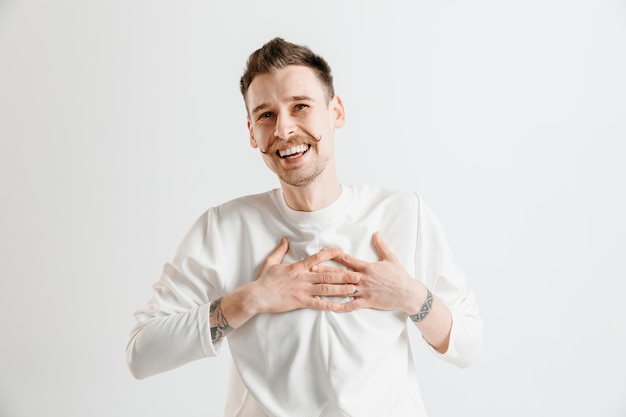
x=382 y=285
x=285 y=287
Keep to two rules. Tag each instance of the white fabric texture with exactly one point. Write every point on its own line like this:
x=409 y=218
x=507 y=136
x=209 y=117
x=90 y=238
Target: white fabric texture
x=305 y=363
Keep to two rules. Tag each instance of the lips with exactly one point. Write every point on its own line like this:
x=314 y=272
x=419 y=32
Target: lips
x=293 y=151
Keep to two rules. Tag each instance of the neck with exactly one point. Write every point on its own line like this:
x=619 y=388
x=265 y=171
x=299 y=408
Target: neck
x=312 y=197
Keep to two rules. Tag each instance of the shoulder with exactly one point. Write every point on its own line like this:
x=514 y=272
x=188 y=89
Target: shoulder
x=243 y=206
x=227 y=219
x=236 y=211
x=367 y=194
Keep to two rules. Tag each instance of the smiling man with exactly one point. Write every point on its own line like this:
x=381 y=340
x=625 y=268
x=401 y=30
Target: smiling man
x=292 y=121
x=315 y=284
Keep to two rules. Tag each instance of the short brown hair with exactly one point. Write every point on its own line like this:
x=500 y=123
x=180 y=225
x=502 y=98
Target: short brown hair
x=277 y=54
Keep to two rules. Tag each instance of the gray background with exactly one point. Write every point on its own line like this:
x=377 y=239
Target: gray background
x=121 y=122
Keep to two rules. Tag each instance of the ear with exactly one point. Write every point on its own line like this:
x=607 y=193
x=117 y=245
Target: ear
x=252 y=139
x=339 y=112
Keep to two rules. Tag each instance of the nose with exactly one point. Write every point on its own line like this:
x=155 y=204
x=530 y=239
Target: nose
x=285 y=126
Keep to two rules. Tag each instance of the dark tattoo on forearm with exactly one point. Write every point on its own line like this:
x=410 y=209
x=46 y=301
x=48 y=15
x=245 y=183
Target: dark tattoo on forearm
x=219 y=326
x=425 y=309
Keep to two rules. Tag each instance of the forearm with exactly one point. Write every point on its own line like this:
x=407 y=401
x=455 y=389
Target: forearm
x=167 y=342
x=232 y=311
x=454 y=330
x=434 y=320
x=163 y=343
x=431 y=316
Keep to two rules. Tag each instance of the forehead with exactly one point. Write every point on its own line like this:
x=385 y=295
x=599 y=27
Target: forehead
x=283 y=85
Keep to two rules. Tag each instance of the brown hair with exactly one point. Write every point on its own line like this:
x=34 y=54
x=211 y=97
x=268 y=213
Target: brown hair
x=277 y=54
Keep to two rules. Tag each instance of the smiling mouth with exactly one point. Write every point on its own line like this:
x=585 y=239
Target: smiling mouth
x=293 y=152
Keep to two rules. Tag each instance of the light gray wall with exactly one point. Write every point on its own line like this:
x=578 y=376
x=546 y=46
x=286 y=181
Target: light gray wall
x=121 y=121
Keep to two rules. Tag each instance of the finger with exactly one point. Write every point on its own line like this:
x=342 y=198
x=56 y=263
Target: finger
x=350 y=261
x=350 y=306
x=340 y=276
x=334 y=290
x=382 y=248
x=319 y=304
x=326 y=268
x=279 y=253
x=321 y=256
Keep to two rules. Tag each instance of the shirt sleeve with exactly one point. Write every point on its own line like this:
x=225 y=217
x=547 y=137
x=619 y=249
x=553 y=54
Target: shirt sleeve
x=436 y=268
x=174 y=329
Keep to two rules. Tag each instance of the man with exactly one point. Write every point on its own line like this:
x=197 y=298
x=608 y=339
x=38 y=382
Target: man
x=315 y=284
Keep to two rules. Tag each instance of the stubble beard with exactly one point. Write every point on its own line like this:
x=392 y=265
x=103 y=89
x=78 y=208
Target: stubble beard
x=302 y=179
x=299 y=178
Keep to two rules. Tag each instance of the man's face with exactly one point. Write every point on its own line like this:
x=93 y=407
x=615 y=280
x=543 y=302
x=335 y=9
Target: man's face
x=292 y=124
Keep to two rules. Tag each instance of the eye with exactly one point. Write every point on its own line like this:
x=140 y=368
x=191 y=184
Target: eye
x=300 y=106
x=266 y=115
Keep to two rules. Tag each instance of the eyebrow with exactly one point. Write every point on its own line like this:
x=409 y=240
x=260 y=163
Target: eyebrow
x=291 y=99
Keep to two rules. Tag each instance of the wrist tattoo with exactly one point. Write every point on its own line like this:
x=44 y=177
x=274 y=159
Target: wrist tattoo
x=219 y=326
x=425 y=309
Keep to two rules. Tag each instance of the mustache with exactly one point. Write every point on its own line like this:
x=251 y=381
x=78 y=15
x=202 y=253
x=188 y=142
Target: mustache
x=295 y=140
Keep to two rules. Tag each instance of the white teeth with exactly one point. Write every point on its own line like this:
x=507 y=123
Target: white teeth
x=293 y=150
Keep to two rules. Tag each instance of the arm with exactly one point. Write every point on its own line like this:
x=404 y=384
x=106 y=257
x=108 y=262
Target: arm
x=188 y=317
x=452 y=326
x=386 y=285
x=280 y=288
x=173 y=329
x=436 y=268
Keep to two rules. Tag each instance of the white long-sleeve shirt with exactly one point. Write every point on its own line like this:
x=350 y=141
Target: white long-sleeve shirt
x=305 y=363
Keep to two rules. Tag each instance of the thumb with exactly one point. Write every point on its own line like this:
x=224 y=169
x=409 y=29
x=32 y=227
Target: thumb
x=381 y=247
x=278 y=253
